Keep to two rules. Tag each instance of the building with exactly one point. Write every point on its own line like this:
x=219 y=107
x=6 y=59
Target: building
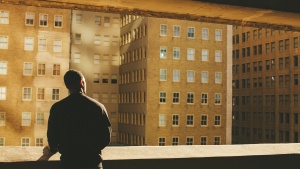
x=34 y=54
x=175 y=82
x=265 y=86
x=95 y=52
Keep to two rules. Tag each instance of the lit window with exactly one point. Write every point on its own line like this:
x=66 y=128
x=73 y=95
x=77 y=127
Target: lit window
x=190 y=54
x=96 y=96
x=106 y=21
x=204 y=98
x=43 y=20
x=163 y=52
x=163 y=75
x=106 y=40
x=55 y=94
x=176 y=32
x=27 y=69
x=40 y=118
x=161 y=141
x=98 y=20
x=25 y=141
x=116 y=22
x=163 y=30
x=162 y=97
x=39 y=142
x=96 y=77
x=176 y=98
x=3 y=68
x=162 y=120
x=78 y=18
x=190 y=76
x=218 y=35
x=105 y=97
x=176 y=53
x=2 y=118
x=190 y=98
x=175 y=120
x=189 y=141
x=218 y=56
x=57 y=45
x=217 y=120
x=4 y=17
x=77 y=58
x=2 y=93
x=58 y=21
x=28 y=43
x=41 y=69
x=29 y=19
x=56 y=70
x=114 y=98
x=26 y=119
x=3 y=42
x=204 y=78
x=42 y=46
x=218 y=77
x=218 y=98
x=27 y=93
x=176 y=75
x=203 y=140
x=96 y=59
x=203 y=120
x=205 y=34
x=204 y=55
x=40 y=94
x=191 y=32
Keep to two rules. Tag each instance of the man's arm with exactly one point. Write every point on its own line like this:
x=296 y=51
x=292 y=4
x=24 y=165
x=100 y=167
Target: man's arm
x=105 y=132
x=53 y=130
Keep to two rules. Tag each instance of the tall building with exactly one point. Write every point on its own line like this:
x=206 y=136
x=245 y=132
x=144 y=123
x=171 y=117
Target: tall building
x=95 y=52
x=34 y=54
x=175 y=82
x=265 y=86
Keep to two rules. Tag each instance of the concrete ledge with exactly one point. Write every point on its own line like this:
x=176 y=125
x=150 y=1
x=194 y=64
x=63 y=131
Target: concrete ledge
x=151 y=157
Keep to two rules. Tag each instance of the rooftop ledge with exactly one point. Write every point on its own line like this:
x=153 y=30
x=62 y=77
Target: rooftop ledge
x=155 y=157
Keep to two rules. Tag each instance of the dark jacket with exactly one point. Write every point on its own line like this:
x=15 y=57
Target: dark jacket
x=79 y=128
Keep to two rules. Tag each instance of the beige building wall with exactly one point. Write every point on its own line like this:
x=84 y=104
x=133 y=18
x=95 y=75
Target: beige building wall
x=95 y=52
x=265 y=85
x=145 y=118
x=28 y=60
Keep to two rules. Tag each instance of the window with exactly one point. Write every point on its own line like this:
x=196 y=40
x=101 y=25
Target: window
x=162 y=97
x=175 y=120
x=218 y=35
x=163 y=52
x=2 y=118
x=191 y=32
x=204 y=98
x=218 y=56
x=58 y=21
x=39 y=142
x=40 y=118
x=96 y=96
x=4 y=17
x=189 y=141
x=29 y=19
x=295 y=79
x=176 y=31
x=43 y=20
x=296 y=62
x=286 y=44
x=78 y=18
x=27 y=70
x=280 y=45
x=162 y=120
x=217 y=140
x=96 y=77
x=189 y=120
x=163 y=30
x=26 y=118
x=104 y=97
x=28 y=43
x=204 y=78
x=205 y=34
x=77 y=58
x=218 y=98
x=98 y=20
x=77 y=38
x=190 y=98
x=203 y=120
x=190 y=76
x=163 y=75
x=161 y=141
x=3 y=42
x=296 y=42
x=105 y=78
x=96 y=59
x=2 y=93
x=217 y=120
x=218 y=77
x=27 y=93
x=204 y=55
x=175 y=141
x=203 y=140
x=57 y=45
x=56 y=70
x=287 y=62
x=106 y=21
x=176 y=75
x=40 y=94
x=42 y=44
x=176 y=98
x=55 y=94
x=272 y=47
x=25 y=141
x=190 y=54
x=176 y=53
x=114 y=79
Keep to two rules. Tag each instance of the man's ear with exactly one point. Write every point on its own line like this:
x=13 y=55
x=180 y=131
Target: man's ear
x=82 y=83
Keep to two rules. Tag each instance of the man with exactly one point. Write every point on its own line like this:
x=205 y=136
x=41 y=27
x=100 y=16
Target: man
x=78 y=126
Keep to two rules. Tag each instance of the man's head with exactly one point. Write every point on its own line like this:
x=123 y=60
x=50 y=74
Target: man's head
x=75 y=81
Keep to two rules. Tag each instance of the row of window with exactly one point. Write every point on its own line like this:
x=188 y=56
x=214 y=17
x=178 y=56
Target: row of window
x=104 y=40
x=132 y=97
x=127 y=19
x=134 y=76
x=162 y=120
x=190 y=32
x=190 y=141
x=105 y=59
x=30 y=18
x=134 y=55
x=26 y=119
x=191 y=54
x=104 y=21
x=27 y=94
x=131 y=139
x=25 y=141
x=270 y=100
x=105 y=78
x=133 y=35
x=56 y=44
x=106 y=97
x=132 y=118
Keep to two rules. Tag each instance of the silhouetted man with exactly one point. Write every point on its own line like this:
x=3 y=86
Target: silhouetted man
x=78 y=126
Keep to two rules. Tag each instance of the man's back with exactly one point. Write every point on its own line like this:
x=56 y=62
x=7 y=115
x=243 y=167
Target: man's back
x=79 y=127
